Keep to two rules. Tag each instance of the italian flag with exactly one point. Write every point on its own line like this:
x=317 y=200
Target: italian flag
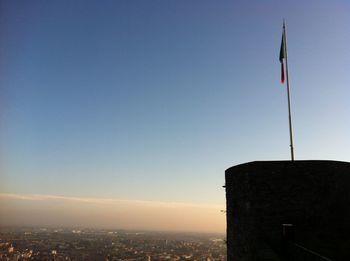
x=282 y=56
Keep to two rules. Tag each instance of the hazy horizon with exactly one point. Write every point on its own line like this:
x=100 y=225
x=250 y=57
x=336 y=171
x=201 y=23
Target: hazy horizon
x=60 y=211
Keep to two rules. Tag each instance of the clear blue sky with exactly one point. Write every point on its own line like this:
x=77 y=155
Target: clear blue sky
x=153 y=100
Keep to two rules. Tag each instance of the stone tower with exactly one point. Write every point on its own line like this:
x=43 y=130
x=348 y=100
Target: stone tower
x=285 y=209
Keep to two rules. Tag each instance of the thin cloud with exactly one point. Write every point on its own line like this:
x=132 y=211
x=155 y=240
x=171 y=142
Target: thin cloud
x=104 y=201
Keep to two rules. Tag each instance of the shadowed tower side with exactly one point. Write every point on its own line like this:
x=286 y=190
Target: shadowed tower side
x=277 y=208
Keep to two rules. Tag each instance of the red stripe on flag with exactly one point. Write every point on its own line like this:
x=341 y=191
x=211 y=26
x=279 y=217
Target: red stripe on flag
x=282 y=72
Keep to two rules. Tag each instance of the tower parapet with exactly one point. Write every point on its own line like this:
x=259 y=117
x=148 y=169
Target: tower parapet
x=273 y=204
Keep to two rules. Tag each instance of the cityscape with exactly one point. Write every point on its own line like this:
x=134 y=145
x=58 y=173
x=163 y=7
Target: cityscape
x=101 y=244
x=174 y=130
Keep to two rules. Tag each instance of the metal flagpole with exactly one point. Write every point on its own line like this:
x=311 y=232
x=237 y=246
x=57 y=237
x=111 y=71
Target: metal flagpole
x=288 y=94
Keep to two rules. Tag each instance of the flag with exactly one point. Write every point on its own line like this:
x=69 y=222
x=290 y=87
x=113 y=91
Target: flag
x=282 y=56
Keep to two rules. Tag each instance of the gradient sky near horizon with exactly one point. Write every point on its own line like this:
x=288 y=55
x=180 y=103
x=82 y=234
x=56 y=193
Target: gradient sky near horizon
x=153 y=100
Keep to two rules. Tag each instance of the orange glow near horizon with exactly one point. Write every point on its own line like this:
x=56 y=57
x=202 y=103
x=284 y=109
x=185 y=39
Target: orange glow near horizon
x=51 y=210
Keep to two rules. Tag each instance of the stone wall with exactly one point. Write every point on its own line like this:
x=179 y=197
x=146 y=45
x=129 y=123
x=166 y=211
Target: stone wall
x=314 y=196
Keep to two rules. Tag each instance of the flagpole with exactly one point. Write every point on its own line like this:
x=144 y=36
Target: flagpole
x=288 y=94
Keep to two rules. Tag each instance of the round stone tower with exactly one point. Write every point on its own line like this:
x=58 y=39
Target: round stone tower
x=288 y=208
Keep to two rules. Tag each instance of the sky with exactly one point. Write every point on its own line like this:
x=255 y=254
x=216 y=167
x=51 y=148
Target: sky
x=144 y=104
